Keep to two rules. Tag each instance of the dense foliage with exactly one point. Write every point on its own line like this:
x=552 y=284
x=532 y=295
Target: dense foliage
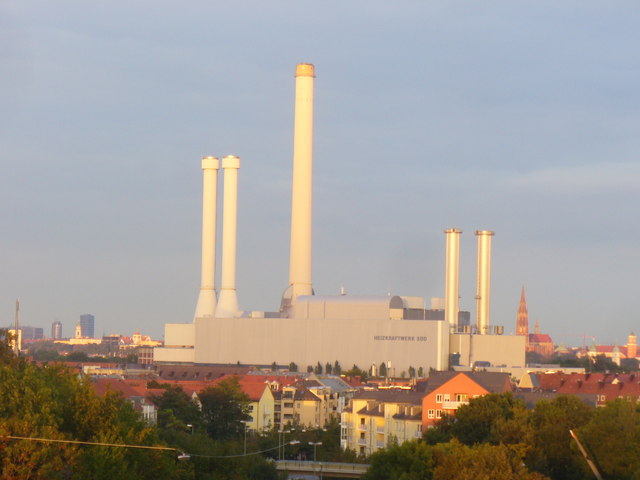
x=496 y=437
x=50 y=403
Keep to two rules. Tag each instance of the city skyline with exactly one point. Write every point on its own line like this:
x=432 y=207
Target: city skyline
x=520 y=120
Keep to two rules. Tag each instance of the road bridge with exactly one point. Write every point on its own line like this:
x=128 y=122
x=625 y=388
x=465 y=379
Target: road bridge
x=322 y=469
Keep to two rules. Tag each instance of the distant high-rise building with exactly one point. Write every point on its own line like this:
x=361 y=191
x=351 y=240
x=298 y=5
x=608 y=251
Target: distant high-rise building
x=87 y=325
x=38 y=333
x=31 y=333
x=56 y=330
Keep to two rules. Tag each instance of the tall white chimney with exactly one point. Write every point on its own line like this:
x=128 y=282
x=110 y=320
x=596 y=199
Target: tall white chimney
x=301 y=211
x=206 y=306
x=483 y=296
x=452 y=277
x=228 y=301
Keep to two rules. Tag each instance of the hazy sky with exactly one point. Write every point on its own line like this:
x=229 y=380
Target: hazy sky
x=519 y=117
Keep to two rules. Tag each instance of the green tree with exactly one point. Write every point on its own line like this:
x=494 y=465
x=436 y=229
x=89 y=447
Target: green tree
x=455 y=461
x=629 y=365
x=488 y=418
x=440 y=432
x=176 y=410
x=318 y=369
x=224 y=407
x=412 y=372
x=612 y=436
x=337 y=369
x=552 y=452
x=382 y=371
x=328 y=368
x=293 y=367
x=603 y=364
x=77 y=357
x=52 y=403
x=409 y=461
x=356 y=371
x=420 y=372
x=7 y=356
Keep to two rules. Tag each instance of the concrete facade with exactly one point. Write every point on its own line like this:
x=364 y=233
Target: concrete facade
x=508 y=350
x=307 y=341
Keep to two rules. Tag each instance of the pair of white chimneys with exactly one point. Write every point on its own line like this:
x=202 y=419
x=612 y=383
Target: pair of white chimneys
x=483 y=280
x=227 y=304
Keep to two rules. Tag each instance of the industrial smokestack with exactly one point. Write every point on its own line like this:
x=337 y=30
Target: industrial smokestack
x=206 y=306
x=483 y=296
x=228 y=301
x=452 y=277
x=301 y=203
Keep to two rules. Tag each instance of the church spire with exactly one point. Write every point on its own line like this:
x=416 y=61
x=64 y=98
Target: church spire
x=522 y=326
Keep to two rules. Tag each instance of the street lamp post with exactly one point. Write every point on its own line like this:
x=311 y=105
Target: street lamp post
x=292 y=442
x=315 y=445
x=244 y=425
x=281 y=440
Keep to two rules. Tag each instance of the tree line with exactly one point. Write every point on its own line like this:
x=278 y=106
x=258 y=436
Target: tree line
x=497 y=437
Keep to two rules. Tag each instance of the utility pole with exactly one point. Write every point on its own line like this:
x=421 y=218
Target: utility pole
x=16 y=346
x=592 y=465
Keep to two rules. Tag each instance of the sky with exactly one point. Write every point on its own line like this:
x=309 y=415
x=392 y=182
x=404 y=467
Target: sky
x=517 y=117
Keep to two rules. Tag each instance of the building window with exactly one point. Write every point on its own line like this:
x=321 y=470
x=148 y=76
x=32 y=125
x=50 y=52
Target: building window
x=462 y=397
x=430 y=413
x=438 y=398
x=438 y=413
x=419 y=428
x=447 y=397
x=362 y=436
x=362 y=421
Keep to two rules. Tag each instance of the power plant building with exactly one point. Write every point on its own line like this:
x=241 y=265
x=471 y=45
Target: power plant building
x=309 y=328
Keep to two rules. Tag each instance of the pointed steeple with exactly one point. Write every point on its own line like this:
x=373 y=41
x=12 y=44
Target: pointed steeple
x=522 y=325
x=537 y=330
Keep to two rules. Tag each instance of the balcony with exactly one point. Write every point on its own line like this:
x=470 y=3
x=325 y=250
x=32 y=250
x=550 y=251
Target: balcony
x=380 y=430
x=417 y=434
x=453 y=405
x=362 y=442
x=380 y=444
x=362 y=427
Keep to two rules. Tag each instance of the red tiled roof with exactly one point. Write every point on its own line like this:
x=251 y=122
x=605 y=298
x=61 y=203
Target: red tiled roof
x=104 y=385
x=539 y=338
x=585 y=382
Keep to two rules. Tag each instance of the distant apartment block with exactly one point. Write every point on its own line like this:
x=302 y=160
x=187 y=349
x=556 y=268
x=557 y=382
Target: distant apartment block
x=377 y=418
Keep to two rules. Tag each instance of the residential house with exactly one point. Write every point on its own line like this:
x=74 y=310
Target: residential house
x=447 y=391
